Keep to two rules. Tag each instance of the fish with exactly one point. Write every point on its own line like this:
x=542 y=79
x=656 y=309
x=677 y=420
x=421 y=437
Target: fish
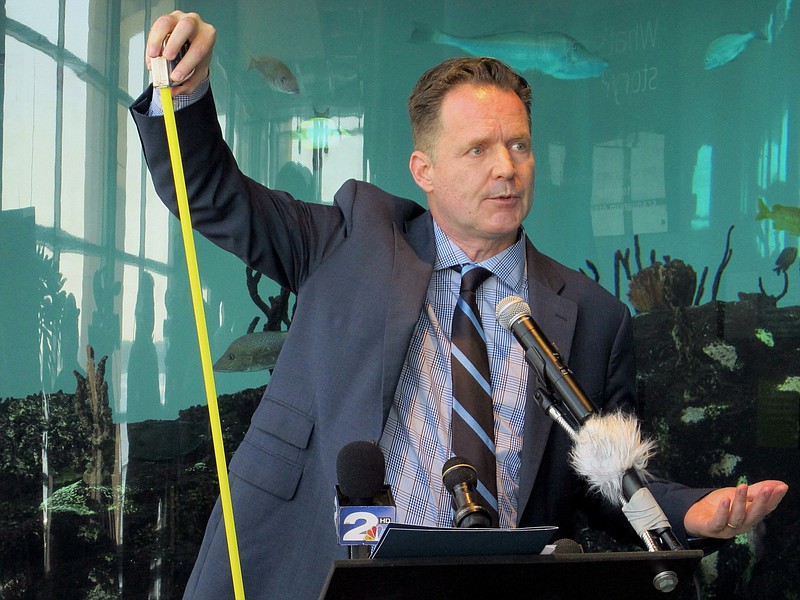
x=785 y=260
x=785 y=218
x=553 y=53
x=254 y=351
x=725 y=48
x=276 y=74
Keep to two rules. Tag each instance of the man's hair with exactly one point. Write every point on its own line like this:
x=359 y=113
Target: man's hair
x=425 y=101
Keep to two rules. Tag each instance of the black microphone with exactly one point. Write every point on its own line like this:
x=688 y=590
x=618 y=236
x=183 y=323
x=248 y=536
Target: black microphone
x=460 y=478
x=364 y=504
x=514 y=314
x=608 y=450
x=360 y=470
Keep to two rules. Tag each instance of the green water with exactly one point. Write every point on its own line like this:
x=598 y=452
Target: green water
x=655 y=148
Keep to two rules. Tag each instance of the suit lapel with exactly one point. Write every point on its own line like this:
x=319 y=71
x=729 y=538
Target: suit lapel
x=556 y=317
x=414 y=255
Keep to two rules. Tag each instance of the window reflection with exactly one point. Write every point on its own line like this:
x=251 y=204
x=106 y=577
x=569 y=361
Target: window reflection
x=657 y=147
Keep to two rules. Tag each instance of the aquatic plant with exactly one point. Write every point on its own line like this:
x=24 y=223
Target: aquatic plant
x=726 y=258
x=70 y=498
x=670 y=283
x=277 y=311
x=22 y=422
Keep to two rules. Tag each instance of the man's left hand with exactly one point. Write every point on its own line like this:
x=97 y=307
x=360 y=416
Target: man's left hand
x=727 y=512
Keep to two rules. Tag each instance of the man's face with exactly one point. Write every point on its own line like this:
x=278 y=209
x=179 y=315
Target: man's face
x=480 y=184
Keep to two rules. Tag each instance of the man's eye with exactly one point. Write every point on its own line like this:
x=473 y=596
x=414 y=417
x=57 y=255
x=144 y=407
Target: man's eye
x=520 y=146
x=476 y=150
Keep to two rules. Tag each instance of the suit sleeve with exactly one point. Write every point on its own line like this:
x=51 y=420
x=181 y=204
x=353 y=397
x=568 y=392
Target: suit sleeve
x=267 y=229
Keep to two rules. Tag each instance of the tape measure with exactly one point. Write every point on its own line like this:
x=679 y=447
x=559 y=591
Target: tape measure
x=161 y=83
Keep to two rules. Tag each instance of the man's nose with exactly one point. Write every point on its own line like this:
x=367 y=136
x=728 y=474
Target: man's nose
x=503 y=166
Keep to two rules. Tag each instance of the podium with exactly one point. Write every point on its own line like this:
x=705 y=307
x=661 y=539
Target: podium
x=617 y=575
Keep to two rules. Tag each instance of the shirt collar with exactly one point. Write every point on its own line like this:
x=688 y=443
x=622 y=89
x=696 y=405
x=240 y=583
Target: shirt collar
x=508 y=265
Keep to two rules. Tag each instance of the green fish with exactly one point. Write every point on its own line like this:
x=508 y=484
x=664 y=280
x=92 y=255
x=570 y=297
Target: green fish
x=555 y=54
x=276 y=74
x=785 y=218
x=254 y=351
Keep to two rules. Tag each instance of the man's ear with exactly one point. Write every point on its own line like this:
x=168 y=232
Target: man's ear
x=421 y=168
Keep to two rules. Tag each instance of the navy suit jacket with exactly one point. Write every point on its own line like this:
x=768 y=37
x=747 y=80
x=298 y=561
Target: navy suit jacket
x=360 y=269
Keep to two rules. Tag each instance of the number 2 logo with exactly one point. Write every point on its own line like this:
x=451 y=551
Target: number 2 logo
x=363 y=522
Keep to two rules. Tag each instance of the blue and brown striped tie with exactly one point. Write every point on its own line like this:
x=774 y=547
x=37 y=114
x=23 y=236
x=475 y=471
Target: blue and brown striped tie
x=473 y=418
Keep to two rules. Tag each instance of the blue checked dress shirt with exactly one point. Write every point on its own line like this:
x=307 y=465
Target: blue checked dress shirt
x=417 y=438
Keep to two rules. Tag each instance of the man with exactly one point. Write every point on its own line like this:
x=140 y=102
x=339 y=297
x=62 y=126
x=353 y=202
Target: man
x=376 y=283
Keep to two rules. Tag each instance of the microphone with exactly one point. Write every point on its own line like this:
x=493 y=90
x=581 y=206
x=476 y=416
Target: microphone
x=360 y=470
x=514 y=314
x=609 y=452
x=364 y=504
x=460 y=478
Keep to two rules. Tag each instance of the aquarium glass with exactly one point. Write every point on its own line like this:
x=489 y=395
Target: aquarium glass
x=666 y=136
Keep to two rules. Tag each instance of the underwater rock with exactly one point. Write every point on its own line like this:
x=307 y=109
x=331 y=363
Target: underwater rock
x=721 y=398
x=680 y=282
x=724 y=354
x=663 y=285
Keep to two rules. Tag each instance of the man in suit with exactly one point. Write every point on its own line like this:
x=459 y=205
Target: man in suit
x=367 y=356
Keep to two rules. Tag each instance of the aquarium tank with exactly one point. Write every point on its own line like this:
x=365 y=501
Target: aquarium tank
x=666 y=135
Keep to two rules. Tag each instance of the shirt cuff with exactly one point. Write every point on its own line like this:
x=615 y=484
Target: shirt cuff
x=180 y=101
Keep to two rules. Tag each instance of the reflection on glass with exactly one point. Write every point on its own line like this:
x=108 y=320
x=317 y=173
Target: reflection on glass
x=666 y=152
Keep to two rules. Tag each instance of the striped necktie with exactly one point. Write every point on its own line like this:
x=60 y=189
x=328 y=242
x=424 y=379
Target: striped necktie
x=472 y=417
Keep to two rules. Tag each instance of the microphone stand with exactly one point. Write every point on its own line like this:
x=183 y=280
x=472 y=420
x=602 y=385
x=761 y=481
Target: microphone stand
x=555 y=410
x=654 y=541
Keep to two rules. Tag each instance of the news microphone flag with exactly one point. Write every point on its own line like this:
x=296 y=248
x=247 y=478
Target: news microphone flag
x=364 y=525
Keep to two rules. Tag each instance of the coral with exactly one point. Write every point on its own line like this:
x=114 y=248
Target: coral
x=669 y=285
x=277 y=311
x=646 y=289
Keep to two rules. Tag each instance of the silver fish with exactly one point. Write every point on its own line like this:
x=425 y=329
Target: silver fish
x=255 y=351
x=552 y=53
x=726 y=47
x=275 y=73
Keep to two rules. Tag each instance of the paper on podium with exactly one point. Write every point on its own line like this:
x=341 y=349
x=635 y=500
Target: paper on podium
x=412 y=541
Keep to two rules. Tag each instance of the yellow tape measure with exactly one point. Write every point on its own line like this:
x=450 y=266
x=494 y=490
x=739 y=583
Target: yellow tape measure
x=162 y=83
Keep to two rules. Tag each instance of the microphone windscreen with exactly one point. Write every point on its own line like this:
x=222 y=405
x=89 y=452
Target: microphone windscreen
x=458 y=470
x=361 y=470
x=511 y=308
x=607 y=446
